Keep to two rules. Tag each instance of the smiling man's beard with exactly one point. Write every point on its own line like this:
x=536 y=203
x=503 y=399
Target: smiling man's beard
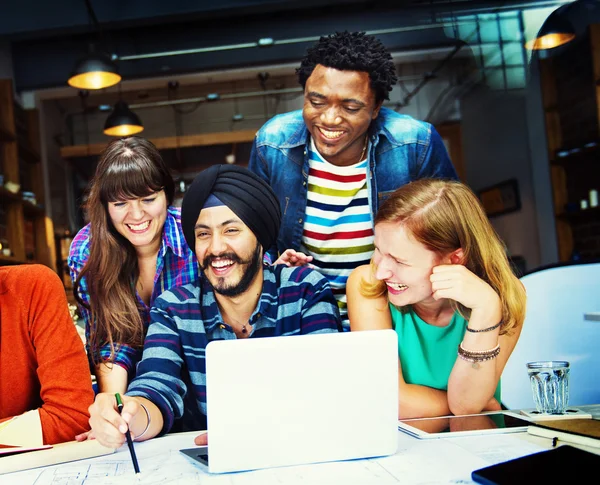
x=250 y=272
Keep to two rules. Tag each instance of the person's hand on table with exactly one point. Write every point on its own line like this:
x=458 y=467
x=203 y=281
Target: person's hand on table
x=201 y=439
x=108 y=426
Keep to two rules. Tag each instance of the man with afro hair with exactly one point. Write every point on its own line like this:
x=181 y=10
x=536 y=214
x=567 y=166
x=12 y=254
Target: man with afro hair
x=334 y=162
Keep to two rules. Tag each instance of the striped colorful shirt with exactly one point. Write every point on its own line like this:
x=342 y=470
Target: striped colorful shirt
x=176 y=265
x=338 y=227
x=172 y=372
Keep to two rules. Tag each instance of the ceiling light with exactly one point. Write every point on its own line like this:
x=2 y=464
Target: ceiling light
x=265 y=42
x=122 y=121
x=95 y=71
x=556 y=31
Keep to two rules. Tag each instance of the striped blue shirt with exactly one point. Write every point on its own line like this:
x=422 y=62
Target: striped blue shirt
x=176 y=265
x=172 y=372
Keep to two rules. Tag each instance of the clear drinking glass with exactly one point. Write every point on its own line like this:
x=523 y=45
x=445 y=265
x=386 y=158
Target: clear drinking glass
x=549 y=385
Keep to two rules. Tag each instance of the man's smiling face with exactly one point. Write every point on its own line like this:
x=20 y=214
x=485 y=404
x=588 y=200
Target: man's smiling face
x=228 y=251
x=338 y=109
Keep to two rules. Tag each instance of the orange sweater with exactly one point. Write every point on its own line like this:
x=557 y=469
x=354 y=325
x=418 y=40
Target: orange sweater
x=42 y=360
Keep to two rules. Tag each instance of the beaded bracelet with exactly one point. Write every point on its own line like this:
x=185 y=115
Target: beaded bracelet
x=477 y=356
x=488 y=329
x=462 y=350
x=147 y=424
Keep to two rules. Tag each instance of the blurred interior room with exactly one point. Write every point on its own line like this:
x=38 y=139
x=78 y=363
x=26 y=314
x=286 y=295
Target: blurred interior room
x=520 y=117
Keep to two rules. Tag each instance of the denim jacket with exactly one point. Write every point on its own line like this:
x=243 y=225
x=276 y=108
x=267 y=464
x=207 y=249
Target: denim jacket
x=402 y=149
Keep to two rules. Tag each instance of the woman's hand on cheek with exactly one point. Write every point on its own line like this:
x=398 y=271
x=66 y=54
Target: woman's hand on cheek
x=456 y=282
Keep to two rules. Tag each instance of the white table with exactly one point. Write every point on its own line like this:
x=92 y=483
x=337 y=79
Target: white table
x=447 y=460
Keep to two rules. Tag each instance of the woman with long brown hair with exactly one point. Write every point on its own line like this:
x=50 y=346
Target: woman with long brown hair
x=441 y=278
x=131 y=251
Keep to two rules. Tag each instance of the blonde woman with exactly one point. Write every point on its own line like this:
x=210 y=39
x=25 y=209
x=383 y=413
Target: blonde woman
x=440 y=277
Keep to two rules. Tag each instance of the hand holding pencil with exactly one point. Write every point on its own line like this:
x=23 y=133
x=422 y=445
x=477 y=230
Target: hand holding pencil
x=128 y=437
x=109 y=426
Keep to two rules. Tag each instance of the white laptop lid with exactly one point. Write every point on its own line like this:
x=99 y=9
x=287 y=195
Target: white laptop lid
x=282 y=401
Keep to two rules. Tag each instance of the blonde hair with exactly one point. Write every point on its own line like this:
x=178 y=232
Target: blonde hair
x=444 y=216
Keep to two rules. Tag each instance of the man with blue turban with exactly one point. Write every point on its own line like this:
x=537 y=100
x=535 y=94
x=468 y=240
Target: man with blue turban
x=229 y=217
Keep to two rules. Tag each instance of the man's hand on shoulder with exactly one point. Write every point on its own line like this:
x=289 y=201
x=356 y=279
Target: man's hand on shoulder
x=291 y=257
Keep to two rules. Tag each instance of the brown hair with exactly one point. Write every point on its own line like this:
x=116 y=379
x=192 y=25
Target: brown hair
x=445 y=216
x=129 y=168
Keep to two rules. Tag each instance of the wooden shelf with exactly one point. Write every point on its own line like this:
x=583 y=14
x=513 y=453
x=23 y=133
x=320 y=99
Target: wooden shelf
x=572 y=120
x=167 y=143
x=33 y=210
x=583 y=155
x=29 y=230
x=9 y=196
x=5 y=135
x=591 y=214
x=573 y=161
x=11 y=260
x=27 y=154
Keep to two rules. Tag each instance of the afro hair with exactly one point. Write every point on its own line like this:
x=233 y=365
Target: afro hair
x=352 y=51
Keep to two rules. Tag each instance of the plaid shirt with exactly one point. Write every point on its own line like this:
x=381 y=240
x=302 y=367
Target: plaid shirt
x=176 y=265
x=172 y=372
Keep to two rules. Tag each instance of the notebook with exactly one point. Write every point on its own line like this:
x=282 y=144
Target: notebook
x=282 y=401
x=579 y=431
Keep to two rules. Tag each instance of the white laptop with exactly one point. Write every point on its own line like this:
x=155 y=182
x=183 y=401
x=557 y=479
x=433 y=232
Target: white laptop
x=282 y=401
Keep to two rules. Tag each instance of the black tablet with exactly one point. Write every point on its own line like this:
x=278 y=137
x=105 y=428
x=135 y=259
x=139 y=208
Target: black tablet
x=565 y=464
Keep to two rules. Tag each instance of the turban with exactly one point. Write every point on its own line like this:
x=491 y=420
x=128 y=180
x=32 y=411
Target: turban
x=244 y=192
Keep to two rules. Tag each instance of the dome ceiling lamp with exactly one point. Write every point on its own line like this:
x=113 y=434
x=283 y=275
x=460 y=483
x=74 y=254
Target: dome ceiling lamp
x=122 y=121
x=556 y=31
x=96 y=70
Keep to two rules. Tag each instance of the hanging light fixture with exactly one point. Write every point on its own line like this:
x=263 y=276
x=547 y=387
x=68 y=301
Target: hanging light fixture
x=94 y=71
x=556 y=31
x=122 y=121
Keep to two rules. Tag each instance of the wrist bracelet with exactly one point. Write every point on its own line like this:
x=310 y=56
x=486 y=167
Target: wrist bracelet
x=488 y=329
x=462 y=350
x=476 y=356
x=147 y=424
x=476 y=360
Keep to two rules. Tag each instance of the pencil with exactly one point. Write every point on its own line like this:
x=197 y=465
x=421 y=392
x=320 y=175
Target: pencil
x=128 y=436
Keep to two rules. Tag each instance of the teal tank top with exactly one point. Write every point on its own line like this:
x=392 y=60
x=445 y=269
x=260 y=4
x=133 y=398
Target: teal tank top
x=428 y=353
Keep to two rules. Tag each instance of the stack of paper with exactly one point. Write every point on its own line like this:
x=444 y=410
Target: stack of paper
x=22 y=437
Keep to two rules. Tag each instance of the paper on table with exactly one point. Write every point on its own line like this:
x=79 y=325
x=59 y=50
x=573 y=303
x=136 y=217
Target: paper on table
x=14 y=450
x=417 y=462
x=61 y=453
x=24 y=430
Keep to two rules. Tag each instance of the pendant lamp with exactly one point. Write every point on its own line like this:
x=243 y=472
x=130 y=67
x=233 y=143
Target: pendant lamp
x=122 y=121
x=556 y=31
x=94 y=71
